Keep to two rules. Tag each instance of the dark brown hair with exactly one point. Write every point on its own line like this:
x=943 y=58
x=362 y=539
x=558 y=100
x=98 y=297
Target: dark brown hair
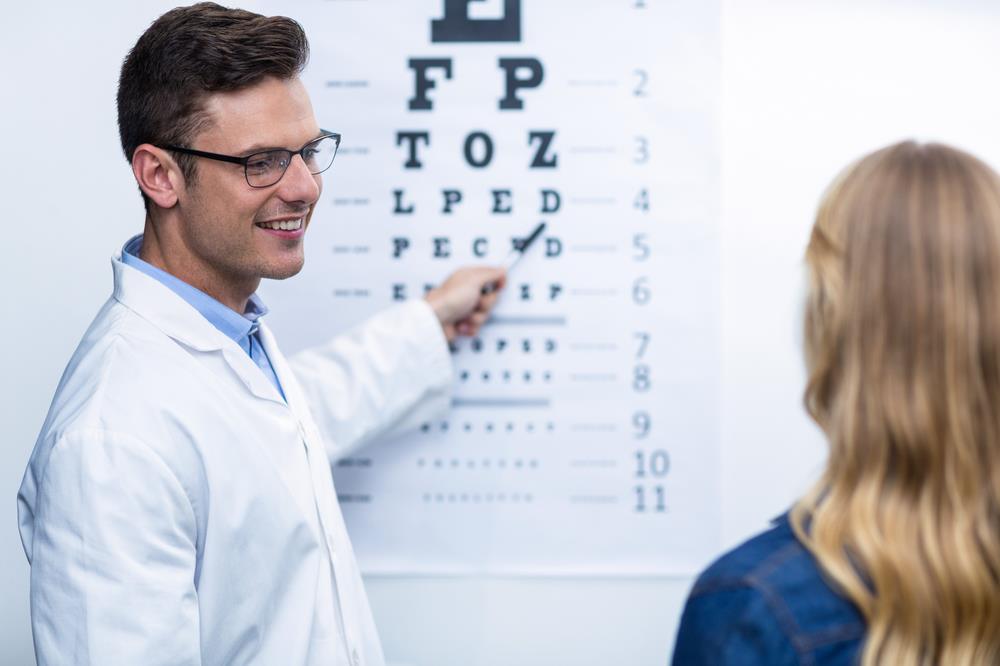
x=189 y=53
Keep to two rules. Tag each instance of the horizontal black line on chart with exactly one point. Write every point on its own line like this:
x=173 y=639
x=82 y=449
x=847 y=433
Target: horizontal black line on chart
x=346 y=84
x=351 y=293
x=594 y=499
x=354 y=499
x=351 y=249
x=593 y=377
x=345 y=201
x=598 y=249
x=527 y=320
x=593 y=150
x=593 y=201
x=593 y=427
x=593 y=83
x=593 y=292
x=357 y=150
x=603 y=464
x=593 y=346
x=354 y=462
x=500 y=402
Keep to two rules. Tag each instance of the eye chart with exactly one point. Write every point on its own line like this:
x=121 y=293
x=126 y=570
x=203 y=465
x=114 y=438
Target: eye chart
x=583 y=433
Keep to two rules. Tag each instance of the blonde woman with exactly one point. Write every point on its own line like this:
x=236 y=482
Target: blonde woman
x=894 y=556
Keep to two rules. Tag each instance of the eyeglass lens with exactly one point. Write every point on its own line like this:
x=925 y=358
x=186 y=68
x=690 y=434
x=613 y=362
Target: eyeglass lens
x=267 y=168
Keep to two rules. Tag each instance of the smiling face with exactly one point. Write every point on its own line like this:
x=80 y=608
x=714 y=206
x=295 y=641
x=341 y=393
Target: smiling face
x=230 y=234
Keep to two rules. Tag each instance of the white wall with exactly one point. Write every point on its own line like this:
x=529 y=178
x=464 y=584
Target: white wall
x=808 y=86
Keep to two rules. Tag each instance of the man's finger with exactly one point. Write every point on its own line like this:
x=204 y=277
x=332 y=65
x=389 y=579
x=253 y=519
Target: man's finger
x=494 y=280
x=486 y=303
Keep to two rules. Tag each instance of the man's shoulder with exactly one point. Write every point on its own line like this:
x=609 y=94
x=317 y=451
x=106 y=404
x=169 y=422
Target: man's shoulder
x=112 y=398
x=786 y=577
x=117 y=359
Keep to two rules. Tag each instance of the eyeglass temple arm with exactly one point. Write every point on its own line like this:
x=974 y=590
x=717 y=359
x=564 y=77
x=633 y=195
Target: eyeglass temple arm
x=211 y=156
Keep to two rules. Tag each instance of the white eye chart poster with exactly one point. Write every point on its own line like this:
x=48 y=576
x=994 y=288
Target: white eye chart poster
x=583 y=436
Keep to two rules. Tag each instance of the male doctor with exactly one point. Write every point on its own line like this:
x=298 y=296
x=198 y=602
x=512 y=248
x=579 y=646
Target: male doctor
x=178 y=507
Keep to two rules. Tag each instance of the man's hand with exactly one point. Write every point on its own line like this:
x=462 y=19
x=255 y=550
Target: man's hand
x=460 y=304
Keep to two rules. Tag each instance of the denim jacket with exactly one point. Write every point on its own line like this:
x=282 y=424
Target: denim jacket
x=767 y=603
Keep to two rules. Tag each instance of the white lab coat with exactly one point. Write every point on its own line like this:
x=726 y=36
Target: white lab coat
x=176 y=510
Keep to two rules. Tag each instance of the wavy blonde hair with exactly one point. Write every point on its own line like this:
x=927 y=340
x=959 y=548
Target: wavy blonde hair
x=902 y=338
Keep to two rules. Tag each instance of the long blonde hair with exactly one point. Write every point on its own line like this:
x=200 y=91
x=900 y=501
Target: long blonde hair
x=902 y=337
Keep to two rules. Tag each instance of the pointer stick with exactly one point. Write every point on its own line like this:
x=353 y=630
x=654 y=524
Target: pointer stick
x=515 y=255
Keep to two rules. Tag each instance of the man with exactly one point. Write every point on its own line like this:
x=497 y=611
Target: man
x=178 y=506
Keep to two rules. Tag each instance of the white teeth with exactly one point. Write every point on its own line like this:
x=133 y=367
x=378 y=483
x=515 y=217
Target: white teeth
x=283 y=225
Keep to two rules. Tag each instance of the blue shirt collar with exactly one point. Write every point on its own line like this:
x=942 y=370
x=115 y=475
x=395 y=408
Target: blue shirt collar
x=232 y=324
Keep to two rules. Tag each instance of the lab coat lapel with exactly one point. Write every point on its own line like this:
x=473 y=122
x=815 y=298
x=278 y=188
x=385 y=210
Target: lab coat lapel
x=164 y=309
x=319 y=462
x=290 y=386
x=177 y=319
x=251 y=376
x=170 y=313
x=344 y=567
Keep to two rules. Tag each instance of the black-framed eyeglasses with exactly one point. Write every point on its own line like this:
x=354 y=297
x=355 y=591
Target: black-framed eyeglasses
x=266 y=168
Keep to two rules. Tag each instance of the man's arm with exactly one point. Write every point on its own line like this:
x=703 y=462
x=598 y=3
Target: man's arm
x=112 y=545
x=393 y=372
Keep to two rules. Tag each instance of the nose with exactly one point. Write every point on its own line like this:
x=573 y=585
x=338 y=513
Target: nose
x=298 y=184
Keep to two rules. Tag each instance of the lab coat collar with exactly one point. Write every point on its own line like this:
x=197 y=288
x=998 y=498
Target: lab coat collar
x=178 y=319
x=295 y=399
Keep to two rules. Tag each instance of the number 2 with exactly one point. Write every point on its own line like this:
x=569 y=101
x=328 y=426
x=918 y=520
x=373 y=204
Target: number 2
x=640 y=87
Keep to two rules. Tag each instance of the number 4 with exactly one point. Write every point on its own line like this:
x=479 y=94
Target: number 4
x=642 y=200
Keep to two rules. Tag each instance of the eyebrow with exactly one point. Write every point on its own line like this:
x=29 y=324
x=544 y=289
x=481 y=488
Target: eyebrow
x=260 y=147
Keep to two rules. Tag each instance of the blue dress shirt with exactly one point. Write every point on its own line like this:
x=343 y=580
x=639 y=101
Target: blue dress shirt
x=242 y=329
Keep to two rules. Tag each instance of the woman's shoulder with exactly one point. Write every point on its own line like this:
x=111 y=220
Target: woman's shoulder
x=771 y=588
x=757 y=557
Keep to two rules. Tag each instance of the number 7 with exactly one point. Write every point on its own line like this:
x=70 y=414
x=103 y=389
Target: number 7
x=643 y=343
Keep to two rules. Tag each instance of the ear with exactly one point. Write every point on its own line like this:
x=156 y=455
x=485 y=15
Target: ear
x=158 y=175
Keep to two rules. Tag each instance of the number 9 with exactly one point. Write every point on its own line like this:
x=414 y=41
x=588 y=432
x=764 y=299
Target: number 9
x=641 y=422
